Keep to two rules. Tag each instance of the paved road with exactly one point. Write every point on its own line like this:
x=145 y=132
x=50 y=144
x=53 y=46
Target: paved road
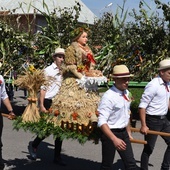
x=77 y=156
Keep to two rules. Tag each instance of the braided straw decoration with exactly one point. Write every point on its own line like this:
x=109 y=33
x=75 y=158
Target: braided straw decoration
x=32 y=81
x=74 y=105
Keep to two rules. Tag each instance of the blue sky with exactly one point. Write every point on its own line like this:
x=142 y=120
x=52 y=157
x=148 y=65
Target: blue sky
x=100 y=6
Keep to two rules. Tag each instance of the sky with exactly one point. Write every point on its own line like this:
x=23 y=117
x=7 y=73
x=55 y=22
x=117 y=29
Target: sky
x=100 y=6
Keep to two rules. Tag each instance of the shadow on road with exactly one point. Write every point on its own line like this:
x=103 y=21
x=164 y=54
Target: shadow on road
x=45 y=161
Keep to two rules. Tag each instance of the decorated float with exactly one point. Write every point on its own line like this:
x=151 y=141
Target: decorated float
x=74 y=116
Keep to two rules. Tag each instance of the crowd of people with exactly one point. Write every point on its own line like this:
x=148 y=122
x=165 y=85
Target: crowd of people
x=71 y=66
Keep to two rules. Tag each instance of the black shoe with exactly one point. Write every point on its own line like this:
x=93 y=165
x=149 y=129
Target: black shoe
x=59 y=161
x=2 y=166
x=33 y=152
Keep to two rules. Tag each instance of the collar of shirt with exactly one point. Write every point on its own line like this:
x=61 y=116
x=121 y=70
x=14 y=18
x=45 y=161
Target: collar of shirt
x=161 y=82
x=121 y=93
x=116 y=90
x=55 y=68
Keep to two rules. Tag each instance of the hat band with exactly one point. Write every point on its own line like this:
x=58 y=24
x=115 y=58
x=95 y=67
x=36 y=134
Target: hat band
x=122 y=74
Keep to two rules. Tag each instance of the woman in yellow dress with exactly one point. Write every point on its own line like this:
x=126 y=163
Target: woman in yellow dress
x=78 y=98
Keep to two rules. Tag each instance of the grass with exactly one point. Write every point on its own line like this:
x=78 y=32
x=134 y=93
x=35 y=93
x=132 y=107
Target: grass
x=137 y=94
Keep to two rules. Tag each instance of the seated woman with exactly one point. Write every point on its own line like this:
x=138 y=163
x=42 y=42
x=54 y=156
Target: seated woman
x=78 y=97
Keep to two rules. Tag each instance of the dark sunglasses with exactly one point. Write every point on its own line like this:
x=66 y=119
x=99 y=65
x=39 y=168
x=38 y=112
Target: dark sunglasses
x=60 y=56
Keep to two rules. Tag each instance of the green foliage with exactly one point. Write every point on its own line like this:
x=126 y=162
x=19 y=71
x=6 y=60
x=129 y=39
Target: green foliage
x=18 y=46
x=137 y=94
x=140 y=43
x=43 y=128
x=166 y=10
x=57 y=32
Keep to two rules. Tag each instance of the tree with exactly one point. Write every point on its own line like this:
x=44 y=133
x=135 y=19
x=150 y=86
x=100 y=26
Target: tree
x=140 y=44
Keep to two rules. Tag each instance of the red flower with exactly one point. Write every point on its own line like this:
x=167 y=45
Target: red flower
x=74 y=116
x=81 y=29
x=50 y=110
x=97 y=113
x=56 y=113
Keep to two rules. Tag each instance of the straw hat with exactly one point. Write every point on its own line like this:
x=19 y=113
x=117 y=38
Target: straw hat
x=120 y=71
x=59 y=51
x=164 y=64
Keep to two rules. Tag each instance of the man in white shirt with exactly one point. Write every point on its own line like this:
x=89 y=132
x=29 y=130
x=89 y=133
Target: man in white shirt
x=113 y=120
x=153 y=108
x=46 y=95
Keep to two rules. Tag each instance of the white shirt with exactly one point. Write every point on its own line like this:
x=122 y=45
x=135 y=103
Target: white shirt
x=53 y=89
x=155 y=98
x=114 y=109
x=3 y=93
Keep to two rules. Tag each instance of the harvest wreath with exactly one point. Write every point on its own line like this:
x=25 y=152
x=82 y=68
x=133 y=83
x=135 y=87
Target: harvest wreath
x=51 y=123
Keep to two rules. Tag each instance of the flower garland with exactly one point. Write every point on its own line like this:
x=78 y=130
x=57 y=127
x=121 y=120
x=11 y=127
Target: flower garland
x=45 y=128
x=78 y=31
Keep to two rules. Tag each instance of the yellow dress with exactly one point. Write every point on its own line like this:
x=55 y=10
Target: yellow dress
x=78 y=97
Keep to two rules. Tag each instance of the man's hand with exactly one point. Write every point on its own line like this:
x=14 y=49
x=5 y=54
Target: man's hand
x=130 y=136
x=43 y=109
x=144 y=130
x=119 y=144
x=11 y=116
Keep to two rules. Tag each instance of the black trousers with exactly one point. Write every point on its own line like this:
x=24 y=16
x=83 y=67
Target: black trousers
x=58 y=141
x=108 y=151
x=156 y=124
x=1 y=127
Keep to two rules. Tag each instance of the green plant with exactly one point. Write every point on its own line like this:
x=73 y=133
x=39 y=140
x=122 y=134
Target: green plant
x=140 y=43
x=136 y=93
x=43 y=128
x=17 y=45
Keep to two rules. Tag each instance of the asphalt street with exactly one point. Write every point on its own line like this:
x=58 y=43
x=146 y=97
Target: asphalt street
x=77 y=156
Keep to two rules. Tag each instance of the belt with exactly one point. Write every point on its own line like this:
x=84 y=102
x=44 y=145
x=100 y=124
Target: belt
x=157 y=116
x=118 y=130
x=50 y=100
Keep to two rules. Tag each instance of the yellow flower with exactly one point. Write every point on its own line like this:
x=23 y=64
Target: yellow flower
x=31 y=68
x=80 y=68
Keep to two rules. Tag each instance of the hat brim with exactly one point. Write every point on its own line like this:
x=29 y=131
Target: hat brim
x=58 y=53
x=122 y=76
x=163 y=68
